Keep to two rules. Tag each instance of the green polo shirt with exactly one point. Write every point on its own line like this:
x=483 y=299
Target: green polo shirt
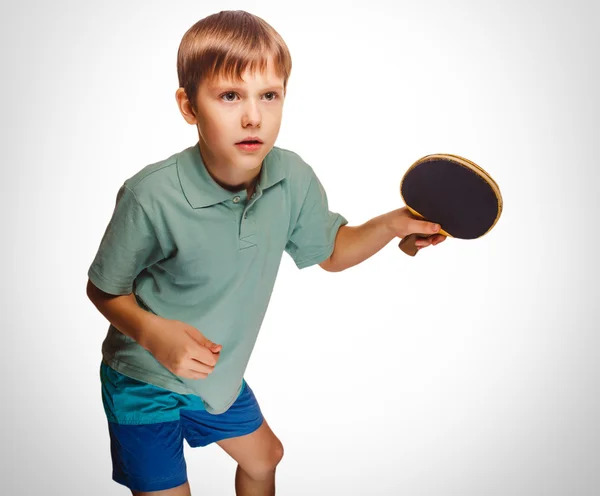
x=193 y=251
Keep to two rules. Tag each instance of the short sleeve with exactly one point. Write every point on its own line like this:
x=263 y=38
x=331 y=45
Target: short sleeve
x=128 y=246
x=313 y=237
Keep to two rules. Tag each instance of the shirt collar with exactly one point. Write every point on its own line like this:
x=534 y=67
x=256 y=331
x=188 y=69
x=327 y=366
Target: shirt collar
x=201 y=190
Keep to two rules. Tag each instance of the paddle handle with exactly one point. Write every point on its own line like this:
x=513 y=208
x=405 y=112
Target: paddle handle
x=408 y=246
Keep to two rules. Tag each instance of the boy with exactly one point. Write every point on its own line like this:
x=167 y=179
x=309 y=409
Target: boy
x=186 y=266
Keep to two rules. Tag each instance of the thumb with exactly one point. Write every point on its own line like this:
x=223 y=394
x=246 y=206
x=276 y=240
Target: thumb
x=214 y=347
x=424 y=227
x=202 y=340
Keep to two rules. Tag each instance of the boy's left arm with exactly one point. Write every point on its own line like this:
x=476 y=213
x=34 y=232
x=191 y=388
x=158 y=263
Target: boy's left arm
x=354 y=244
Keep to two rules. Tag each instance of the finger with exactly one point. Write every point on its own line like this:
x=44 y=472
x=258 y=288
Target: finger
x=199 y=367
x=214 y=347
x=210 y=344
x=191 y=374
x=205 y=356
x=192 y=369
x=204 y=341
x=437 y=239
x=423 y=242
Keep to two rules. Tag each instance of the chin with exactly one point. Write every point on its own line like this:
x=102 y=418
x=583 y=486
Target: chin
x=251 y=161
x=247 y=163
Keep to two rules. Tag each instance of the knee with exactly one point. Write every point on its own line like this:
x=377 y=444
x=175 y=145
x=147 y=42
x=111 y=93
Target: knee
x=277 y=453
x=273 y=459
x=264 y=468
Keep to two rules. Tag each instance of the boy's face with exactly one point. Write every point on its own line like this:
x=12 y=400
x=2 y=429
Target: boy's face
x=230 y=112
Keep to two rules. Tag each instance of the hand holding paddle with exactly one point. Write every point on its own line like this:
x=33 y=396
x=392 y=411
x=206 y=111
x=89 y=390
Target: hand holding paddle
x=403 y=224
x=451 y=191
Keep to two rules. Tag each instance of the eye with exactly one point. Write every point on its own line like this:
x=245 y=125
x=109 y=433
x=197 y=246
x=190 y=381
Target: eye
x=229 y=96
x=271 y=95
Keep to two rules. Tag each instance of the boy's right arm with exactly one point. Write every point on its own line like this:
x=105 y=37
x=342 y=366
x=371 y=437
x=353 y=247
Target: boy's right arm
x=179 y=347
x=123 y=312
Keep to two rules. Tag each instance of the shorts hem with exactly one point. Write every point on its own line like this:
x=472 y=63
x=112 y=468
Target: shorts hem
x=136 y=484
x=213 y=439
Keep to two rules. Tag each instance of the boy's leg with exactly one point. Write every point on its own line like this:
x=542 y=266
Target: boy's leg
x=146 y=436
x=244 y=434
x=183 y=490
x=257 y=455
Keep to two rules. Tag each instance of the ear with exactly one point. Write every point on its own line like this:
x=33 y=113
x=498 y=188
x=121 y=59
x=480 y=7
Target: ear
x=185 y=106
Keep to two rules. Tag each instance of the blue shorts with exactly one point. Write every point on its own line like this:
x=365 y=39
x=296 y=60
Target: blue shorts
x=147 y=425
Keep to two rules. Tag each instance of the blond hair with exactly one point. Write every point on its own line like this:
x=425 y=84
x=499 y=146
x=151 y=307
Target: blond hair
x=225 y=45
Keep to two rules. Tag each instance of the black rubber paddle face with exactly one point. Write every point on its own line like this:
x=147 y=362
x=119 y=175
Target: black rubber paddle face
x=457 y=198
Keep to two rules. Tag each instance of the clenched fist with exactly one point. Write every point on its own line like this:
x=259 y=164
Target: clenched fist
x=182 y=349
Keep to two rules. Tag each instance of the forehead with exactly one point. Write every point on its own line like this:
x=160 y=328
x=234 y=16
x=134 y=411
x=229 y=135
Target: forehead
x=251 y=76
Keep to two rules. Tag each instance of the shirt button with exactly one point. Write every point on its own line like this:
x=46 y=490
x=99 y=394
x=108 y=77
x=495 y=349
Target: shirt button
x=236 y=199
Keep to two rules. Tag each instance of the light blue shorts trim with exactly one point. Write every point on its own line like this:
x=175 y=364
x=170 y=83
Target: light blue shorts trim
x=130 y=401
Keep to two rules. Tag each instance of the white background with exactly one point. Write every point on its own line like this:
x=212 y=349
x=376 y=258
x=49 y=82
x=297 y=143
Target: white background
x=471 y=369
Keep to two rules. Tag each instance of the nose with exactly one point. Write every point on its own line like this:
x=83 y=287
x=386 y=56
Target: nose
x=252 y=116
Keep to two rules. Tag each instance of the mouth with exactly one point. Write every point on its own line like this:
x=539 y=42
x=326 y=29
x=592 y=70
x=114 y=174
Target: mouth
x=249 y=145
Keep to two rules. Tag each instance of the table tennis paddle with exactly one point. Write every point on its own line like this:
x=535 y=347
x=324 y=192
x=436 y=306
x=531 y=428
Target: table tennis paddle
x=453 y=192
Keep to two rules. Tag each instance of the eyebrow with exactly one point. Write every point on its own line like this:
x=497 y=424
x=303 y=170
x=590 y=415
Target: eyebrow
x=240 y=89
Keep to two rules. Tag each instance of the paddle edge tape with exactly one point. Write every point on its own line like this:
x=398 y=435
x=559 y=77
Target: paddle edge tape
x=465 y=163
